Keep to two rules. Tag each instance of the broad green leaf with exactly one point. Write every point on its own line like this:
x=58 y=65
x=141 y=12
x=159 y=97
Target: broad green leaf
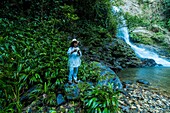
x=19 y=68
x=45 y=87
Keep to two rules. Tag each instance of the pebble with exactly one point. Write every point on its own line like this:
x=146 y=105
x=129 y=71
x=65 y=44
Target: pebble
x=133 y=107
x=122 y=103
x=125 y=108
x=144 y=100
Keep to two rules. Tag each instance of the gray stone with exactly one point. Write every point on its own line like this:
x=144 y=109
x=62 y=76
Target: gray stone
x=127 y=82
x=148 y=62
x=72 y=91
x=143 y=81
x=113 y=78
x=125 y=109
x=124 y=92
x=60 y=99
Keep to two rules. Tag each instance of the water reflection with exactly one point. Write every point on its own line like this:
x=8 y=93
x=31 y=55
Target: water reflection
x=157 y=76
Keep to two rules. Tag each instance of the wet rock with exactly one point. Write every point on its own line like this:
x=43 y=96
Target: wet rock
x=130 y=89
x=133 y=107
x=124 y=92
x=128 y=82
x=148 y=62
x=110 y=76
x=159 y=65
x=151 y=102
x=125 y=109
x=71 y=91
x=60 y=99
x=124 y=83
x=123 y=54
x=122 y=102
x=141 y=81
x=116 y=68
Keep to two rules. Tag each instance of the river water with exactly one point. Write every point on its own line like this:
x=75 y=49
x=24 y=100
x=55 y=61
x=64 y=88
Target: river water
x=159 y=77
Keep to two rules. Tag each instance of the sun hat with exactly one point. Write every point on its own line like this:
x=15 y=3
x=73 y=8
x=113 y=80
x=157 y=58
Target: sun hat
x=75 y=40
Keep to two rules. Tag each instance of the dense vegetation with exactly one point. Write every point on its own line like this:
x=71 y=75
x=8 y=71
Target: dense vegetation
x=166 y=12
x=34 y=38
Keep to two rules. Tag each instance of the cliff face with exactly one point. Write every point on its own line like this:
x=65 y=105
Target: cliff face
x=132 y=6
x=143 y=7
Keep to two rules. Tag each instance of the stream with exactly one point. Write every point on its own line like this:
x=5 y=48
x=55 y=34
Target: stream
x=159 y=77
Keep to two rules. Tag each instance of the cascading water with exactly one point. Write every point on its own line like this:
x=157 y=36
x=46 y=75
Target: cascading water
x=122 y=32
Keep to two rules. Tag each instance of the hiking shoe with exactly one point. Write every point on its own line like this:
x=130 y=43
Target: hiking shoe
x=70 y=82
x=75 y=81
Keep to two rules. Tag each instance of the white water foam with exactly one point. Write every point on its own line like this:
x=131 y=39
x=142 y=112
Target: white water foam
x=122 y=32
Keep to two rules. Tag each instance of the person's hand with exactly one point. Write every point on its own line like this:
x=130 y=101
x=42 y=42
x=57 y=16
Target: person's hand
x=74 y=50
x=78 y=52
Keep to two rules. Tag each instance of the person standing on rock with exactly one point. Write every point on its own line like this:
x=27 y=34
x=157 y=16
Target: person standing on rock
x=74 y=60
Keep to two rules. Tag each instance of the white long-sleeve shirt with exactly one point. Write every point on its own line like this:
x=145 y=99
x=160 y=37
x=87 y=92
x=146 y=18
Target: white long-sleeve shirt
x=74 y=58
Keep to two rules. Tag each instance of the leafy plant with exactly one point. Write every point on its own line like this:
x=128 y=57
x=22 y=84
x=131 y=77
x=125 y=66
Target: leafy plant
x=166 y=8
x=31 y=58
x=88 y=72
x=34 y=42
x=100 y=99
x=136 y=20
x=141 y=39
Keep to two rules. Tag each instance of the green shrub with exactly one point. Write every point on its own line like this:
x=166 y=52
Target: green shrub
x=136 y=20
x=34 y=43
x=88 y=72
x=31 y=55
x=158 y=37
x=166 y=8
x=141 y=39
x=169 y=23
x=100 y=99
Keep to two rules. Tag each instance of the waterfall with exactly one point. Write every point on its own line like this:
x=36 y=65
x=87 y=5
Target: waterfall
x=122 y=32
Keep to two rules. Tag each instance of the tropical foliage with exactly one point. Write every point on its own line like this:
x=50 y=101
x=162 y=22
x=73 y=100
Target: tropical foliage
x=34 y=38
x=166 y=12
x=31 y=55
x=100 y=99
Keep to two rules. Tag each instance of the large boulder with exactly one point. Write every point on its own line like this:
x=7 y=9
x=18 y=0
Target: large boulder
x=71 y=91
x=141 y=81
x=123 y=55
x=108 y=76
x=148 y=62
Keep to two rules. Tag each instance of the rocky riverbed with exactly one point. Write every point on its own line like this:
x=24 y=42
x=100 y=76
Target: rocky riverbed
x=138 y=98
x=135 y=98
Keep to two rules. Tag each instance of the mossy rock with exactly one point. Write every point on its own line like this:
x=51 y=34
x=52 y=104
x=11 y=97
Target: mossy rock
x=107 y=76
x=143 y=39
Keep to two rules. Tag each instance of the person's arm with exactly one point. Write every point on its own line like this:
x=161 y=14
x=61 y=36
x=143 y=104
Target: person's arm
x=69 y=52
x=73 y=51
x=79 y=53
